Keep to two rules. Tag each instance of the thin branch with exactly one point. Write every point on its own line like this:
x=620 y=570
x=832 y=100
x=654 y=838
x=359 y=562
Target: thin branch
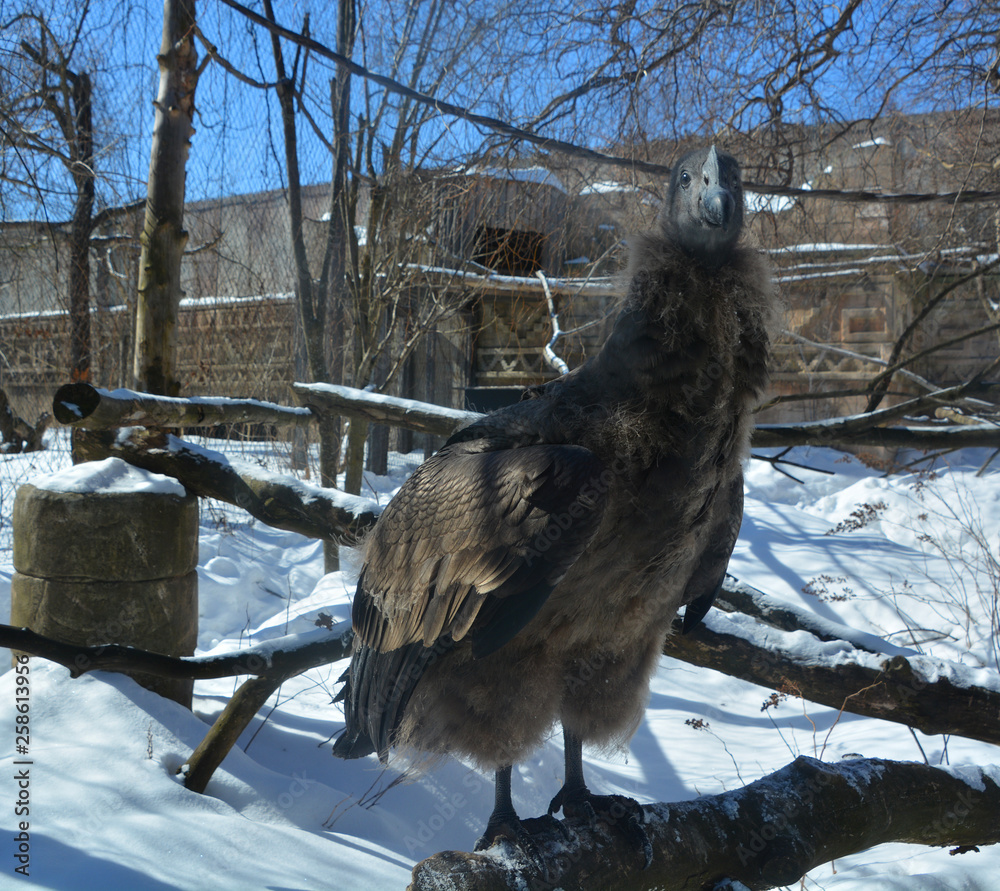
x=550 y=354
x=212 y=52
x=851 y=354
x=880 y=383
x=551 y=144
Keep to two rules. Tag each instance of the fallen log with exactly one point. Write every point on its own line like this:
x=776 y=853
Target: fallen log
x=766 y=835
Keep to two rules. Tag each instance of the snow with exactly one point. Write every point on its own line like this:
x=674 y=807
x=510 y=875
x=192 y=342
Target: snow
x=538 y=175
x=756 y=202
x=107 y=809
x=112 y=475
x=605 y=187
x=872 y=143
x=225 y=300
x=825 y=247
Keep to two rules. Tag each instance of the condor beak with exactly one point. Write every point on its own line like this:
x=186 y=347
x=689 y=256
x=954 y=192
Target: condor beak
x=717 y=205
x=717 y=202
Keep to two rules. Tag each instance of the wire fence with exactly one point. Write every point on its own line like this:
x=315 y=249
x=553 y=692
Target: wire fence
x=238 y=330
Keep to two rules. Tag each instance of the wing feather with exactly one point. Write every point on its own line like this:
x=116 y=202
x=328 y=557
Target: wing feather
x=467 y=524
x=471 y=546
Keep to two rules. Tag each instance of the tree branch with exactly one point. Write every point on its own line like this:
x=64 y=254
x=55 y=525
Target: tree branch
x=927 y=694
x=279 y=501
x=279 y=659
x=92 y=408
x=546 y=143
x=409 y=413
x=765 y=835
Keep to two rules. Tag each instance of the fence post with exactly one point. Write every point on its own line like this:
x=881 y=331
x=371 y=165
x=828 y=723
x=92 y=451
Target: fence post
x=106 y=553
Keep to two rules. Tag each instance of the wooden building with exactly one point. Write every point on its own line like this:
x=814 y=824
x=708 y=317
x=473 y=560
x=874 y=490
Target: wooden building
x=504 y=247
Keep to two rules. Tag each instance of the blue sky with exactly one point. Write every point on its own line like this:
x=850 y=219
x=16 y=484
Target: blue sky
x=238 y=144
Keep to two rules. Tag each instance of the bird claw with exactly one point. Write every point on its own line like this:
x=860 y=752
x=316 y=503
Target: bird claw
x=618 y=810
x=517 y=832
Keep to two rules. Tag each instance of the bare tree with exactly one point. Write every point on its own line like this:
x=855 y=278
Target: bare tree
x=163 y=236
x=49 y=114
x=363 y=315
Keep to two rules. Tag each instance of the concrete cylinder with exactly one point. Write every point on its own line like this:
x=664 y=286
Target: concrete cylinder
x=106 y=553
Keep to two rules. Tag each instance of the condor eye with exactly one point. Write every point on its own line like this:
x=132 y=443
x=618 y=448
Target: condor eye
x=685 y=179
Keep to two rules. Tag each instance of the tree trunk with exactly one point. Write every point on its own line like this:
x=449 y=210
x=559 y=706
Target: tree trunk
x=83 y=213
x=313 y=297
x=354 y=473
x=163 y=237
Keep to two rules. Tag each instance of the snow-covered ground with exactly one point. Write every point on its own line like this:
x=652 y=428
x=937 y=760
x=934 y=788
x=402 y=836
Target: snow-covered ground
x=914 y=561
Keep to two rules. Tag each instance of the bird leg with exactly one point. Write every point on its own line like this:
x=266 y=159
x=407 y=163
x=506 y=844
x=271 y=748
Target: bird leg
x=578 y=802
x=505 y=823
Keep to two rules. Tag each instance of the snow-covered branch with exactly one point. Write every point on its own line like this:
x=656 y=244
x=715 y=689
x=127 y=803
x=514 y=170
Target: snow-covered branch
x=423 y=417
x=931 y=695
x=281 y=658
x=549 y=349
x=280 y=501
x=81 y=405
x=766 y=835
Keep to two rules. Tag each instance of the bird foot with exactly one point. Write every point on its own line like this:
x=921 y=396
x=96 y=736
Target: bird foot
x=521 y=834
x=615 y=810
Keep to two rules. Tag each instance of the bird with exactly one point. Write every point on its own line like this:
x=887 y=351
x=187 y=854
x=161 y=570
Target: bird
x=527 y=573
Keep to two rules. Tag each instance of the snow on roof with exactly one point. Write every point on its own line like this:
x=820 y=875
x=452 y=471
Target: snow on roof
x=186 y=303
x=538 y=175
x=826 y=247
x=607 y=186
x=756 y=203
x=591 y=284
x=112 y=475
x=872 y=143
x=220 y=300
